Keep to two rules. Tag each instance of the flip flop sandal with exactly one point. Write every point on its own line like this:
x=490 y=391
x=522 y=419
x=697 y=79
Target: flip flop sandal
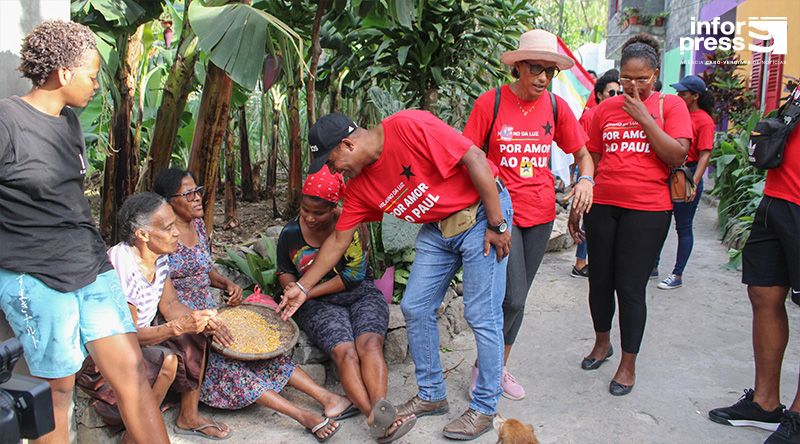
x=196 y=431
x=320 y=426
x=401 y=430
x=349 y=412
x=383 y=415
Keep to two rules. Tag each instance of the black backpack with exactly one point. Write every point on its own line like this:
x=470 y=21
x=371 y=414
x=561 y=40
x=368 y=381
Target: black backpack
x=768 y=138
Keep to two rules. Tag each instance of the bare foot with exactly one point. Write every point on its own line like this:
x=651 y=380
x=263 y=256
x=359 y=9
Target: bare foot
x=216 y=429
x=311 y=420
x=599 y=351
x=625 y=377
x=398 y=421
x=336 y=405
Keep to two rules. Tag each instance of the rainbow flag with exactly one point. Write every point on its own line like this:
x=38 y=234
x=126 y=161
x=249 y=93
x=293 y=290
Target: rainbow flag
x=574 y=85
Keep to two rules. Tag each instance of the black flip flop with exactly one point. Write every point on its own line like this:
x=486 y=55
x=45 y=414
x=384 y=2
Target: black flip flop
x=383 y=415
x=349 y=412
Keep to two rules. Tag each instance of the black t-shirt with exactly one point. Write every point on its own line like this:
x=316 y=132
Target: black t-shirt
x=46 y=226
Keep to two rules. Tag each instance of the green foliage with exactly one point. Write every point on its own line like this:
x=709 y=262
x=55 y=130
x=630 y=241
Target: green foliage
x=258 y=263
x=739 y=187
x=235 y=37
x=576 y=22
x=422 y=48
x=733 y=100
x=401 y=260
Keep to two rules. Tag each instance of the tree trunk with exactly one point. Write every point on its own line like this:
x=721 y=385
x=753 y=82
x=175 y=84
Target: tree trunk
x=121 y=169
x=209 y=135
x=173 y=102
x=335 y=92
x=295 y=153
x=429 y=99
x=248 y=182
x=272 y=159
x=231 y=221
x=316 y=50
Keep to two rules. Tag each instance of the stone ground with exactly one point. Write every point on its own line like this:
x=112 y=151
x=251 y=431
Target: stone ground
x=696 y=356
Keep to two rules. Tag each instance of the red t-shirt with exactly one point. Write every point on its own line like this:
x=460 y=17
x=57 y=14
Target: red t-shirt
x=702 y=134
x=520 y=146
x=630 y=174
x=586 y=119
x=784 y=182
x=417 y=178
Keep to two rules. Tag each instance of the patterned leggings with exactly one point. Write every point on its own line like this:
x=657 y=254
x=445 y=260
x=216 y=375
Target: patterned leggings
x=342 y=317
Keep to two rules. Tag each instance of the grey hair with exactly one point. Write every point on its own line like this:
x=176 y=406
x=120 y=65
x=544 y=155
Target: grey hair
x=136 y=214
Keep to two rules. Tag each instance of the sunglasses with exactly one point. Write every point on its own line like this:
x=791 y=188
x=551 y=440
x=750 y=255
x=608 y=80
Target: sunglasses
x=536 y=69
x=614 y=92
x=191 y=194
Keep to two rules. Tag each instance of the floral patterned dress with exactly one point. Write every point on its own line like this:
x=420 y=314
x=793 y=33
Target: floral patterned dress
x=228 y=384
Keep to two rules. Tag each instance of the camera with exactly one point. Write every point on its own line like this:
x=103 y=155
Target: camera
x=26 y=406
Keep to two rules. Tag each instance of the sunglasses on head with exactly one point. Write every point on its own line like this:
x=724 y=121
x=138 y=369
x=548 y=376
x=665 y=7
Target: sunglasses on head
x=536 y=69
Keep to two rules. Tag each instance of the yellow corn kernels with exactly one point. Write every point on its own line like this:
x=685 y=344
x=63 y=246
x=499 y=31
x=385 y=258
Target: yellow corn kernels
x=252 y=333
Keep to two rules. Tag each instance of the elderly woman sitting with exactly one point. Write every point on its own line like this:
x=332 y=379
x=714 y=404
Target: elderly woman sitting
x=174 y=350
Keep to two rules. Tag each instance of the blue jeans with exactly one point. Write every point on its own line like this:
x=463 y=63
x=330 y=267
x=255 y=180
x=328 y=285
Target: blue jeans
x=684 y=217
x=435 y=264
x=582 y=252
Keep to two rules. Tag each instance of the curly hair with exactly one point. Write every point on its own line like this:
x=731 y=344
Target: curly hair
x=641 y=46
x=136 y=213
x=51 y=45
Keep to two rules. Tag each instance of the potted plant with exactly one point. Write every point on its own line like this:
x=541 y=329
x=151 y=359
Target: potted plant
x=632 y=15
x=660 y=18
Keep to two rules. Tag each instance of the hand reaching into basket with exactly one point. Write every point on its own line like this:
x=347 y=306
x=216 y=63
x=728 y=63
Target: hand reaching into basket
x=194 y=322
x=219 y=332
x=293 y=298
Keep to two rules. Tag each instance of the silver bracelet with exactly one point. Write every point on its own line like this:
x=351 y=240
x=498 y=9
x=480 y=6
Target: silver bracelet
x=589 y=178
x=303 y=289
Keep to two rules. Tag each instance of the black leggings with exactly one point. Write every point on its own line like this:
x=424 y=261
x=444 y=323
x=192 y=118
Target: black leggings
x=623 y=245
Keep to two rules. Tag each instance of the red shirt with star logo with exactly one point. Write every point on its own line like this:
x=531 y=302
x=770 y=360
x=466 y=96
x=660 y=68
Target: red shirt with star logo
x=417 y=177
x=630 y=174
x=520 y=145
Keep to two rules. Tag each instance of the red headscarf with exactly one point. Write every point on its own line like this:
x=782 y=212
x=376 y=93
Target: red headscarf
x=325 y=185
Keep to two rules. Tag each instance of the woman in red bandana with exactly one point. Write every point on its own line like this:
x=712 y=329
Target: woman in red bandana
x=345 y=315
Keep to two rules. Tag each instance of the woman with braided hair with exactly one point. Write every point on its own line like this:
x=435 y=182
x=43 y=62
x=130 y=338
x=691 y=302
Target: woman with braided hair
x=634 y=139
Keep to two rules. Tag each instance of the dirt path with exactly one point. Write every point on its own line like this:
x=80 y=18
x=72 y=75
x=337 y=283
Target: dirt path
x=696 y=356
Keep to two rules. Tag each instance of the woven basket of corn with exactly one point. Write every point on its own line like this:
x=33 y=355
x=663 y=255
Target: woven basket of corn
x=258 y=332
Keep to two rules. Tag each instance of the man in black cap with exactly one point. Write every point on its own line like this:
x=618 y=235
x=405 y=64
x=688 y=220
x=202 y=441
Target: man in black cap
x=418 y=169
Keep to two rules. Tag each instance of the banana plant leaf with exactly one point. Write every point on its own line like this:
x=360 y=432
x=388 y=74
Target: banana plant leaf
x=235 y=38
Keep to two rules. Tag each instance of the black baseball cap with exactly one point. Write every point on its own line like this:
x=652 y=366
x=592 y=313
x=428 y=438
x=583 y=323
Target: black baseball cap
x=325 y=135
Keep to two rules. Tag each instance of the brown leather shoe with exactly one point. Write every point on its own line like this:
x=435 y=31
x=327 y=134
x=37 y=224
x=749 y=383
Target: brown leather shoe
x=419 y=407
x=468 y=426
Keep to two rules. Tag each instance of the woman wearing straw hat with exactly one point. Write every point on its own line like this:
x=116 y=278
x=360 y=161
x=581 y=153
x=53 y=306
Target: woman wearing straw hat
x=518 y=137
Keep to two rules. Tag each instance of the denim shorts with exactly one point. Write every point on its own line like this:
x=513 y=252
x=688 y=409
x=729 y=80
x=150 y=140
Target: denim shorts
x=54 y=327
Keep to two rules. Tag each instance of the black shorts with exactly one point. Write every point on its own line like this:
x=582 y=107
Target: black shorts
x=771 y=256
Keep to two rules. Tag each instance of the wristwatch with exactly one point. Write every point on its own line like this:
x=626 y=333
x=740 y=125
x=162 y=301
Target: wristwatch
x=500 y=229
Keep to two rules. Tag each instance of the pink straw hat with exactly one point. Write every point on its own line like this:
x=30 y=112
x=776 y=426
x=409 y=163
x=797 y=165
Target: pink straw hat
x=538 y=45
